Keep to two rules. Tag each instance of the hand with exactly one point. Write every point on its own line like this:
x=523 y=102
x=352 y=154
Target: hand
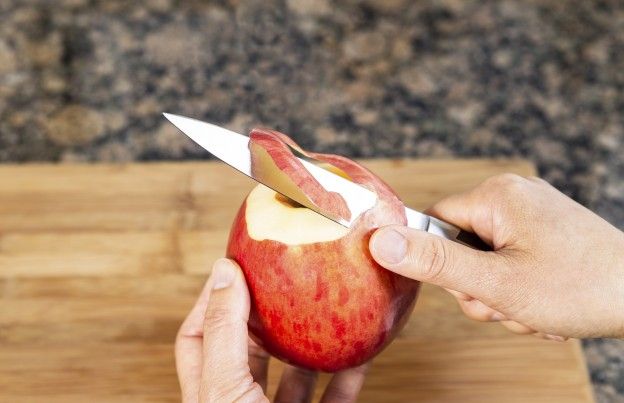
x=557 y=269
x=217 y=362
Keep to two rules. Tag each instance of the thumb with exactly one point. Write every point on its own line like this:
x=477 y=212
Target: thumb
x=422 y=256
x=225 y=352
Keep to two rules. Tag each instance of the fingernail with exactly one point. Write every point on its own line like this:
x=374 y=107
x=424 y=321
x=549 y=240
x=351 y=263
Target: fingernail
x=389 y=246
x=497 y=316
x=222 y=274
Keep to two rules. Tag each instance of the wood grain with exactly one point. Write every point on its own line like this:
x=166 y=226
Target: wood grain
x=100 y=263
x=409 y=370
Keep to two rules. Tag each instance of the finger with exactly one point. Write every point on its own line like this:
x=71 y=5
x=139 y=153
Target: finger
x=477 y=310
x=475 y=210
x=467 y=211
x=345 y=386
x=460 y=296
x=470 y=210
x=297 y=385
x=552 y=337
x=258 y=363
x=225 y=370
x=188 y=348
x=546 y=336
x=448 y=209
x=426 y=257
x=517 y=328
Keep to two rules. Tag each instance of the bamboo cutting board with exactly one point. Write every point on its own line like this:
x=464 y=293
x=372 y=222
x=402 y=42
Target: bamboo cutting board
x=99 y=264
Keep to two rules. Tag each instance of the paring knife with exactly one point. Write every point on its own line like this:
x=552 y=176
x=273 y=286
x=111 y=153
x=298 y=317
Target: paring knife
x=233 y=149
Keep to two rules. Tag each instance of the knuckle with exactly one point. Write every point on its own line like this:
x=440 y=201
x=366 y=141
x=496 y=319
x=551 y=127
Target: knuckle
x=511 y=183
x=187 y=331
x=340 y=395
x=179 y=339
x=303 y=373
x=216 y=317
x=517 y=327
x=243 y=389
x=475 y=310
x=538 y=180
x=433 y=258
x=256 y=351
x=510 y=178
x=510 y=194
x=505 y=183
x=251 y=391
x=361 y=370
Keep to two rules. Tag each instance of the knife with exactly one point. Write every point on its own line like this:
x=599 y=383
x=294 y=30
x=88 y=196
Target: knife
x=233 y=149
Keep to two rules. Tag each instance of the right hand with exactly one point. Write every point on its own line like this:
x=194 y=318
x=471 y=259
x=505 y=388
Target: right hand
x=557 y=269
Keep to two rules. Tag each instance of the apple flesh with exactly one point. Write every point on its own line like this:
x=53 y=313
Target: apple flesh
x=319 y=300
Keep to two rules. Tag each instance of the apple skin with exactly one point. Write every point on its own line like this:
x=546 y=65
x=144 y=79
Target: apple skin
x=271 y=156
x=326 y=305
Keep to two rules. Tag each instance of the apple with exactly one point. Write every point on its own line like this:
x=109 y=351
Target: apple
x=318 y=299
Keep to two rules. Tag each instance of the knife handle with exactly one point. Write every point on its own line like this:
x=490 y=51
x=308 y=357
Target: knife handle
x=449 y=231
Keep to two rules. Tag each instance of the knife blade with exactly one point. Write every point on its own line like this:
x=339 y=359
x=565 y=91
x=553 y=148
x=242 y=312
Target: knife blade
x=233 y=149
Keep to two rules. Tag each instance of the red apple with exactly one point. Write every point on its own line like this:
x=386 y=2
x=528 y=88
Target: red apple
x=319 y=300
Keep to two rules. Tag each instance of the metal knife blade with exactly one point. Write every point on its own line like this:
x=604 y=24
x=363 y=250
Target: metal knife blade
x=233 y=149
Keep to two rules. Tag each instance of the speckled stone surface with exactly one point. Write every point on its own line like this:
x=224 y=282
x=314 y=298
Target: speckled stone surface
x=87 y=80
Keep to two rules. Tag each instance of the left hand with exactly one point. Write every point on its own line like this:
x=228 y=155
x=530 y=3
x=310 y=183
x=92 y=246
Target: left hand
x=218 y=362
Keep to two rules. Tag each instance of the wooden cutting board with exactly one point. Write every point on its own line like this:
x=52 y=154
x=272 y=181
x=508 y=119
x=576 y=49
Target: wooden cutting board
x=99 y=264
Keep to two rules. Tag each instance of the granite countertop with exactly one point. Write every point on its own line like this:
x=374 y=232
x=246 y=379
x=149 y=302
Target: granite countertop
x=542 y=79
